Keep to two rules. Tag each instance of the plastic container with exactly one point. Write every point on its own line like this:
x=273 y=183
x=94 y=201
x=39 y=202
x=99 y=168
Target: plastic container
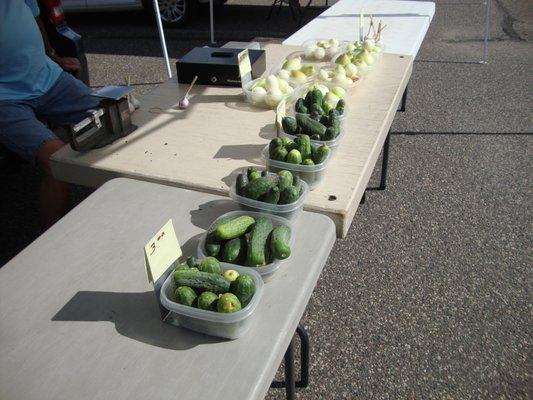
x=361 y=71
x=260 y=100
x=229 y=326
x=311 y=174
x=301 y=92
x=313 y=42
x=331 y=143
x=268 y=270
x=331 y=70
x=288 y=211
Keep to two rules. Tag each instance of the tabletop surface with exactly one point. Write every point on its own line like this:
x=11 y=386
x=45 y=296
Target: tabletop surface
x=407 y=23
x=80 y=321
x=204 y=147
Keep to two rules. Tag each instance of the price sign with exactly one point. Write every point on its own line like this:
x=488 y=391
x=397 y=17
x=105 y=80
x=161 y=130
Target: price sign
x=161 y=251
x=245 y=68
x=280 y=114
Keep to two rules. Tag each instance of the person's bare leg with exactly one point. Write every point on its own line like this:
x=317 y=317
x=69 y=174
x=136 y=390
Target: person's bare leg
x=54 y=196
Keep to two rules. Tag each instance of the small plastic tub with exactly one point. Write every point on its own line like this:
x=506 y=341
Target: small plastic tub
x=260 y=101
x=229 y=326
x=301 y=92
x=331 y=70
x=268 y=270
x=311 y=174
x=329 y=55
x=333 y=144
x=288 y=211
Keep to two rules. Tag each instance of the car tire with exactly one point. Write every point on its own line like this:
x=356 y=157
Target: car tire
x=174 y=13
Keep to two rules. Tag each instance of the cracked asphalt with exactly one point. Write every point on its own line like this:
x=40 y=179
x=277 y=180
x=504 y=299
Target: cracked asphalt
x=429 y=296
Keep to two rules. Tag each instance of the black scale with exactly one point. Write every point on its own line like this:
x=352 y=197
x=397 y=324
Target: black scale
x=102 y=126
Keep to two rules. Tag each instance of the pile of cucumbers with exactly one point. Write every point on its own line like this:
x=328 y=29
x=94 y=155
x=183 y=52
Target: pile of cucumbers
x=320 y=127
x=316 y=105
x=297 y=151
x=203 y=285
x=280 y=188
x=245 y=240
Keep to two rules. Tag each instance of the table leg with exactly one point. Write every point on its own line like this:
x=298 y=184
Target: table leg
x=363 y=198
x=290 y=385
x=404 y=99
x=385 y=163
x=304 y=356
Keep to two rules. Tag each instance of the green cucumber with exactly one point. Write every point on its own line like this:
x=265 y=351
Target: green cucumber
x=208 y=301
x=304 y=146
x=185 y=295
x=203 y=281
x=300 y=107
x=279 y=154
x=236 y=227
x=254 y=175
x=289 y=195
x=272 y=196
x=192 y=261
x=309 y=99
x=274 y=143
x=242 y=181
x=324 y=120
x=331 y=133
x=234 y=250
x=258 y=187
x=228 y=303
x=210 y=264
x=244 y=288
x=341 y=104
x=212 y=249
x=317 y=98
x=315 y=137
x=285 y=179
x=279 y=242
x=294 y=157
x=315 y=116
x=250 y=171
x=309 y=126
x=181 y=267
x=317 y=108
x=257 y=255
x=286 y=141
x=289 y=125
x=321 y=154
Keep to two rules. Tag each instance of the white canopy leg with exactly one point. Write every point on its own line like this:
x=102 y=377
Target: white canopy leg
x=162 y=38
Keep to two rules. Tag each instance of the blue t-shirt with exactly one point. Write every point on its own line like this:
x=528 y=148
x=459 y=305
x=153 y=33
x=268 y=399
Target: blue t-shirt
x=26 y=71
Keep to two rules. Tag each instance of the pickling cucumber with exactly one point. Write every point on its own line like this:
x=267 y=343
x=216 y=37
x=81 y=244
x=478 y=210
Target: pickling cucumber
x=257 y=250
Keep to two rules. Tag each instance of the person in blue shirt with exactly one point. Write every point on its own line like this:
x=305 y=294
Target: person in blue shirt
x=36 y=91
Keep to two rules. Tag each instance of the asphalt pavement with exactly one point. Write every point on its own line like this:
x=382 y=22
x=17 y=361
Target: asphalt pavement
x=429 y=296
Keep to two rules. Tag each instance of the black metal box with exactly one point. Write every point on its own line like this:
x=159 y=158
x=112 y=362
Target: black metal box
x=217 y=66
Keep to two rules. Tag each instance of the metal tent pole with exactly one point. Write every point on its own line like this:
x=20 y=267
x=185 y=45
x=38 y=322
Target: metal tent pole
x=162 y=37
x=212 y=21
x=486 y=33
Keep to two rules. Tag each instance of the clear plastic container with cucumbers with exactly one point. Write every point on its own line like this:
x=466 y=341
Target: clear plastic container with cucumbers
x=313 y=175
x=269 y=269
x=225 y=325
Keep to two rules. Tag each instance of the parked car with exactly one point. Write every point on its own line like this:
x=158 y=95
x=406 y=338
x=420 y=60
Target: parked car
x=174 y=13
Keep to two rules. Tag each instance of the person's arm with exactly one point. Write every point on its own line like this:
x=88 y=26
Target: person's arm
x=68 y=63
